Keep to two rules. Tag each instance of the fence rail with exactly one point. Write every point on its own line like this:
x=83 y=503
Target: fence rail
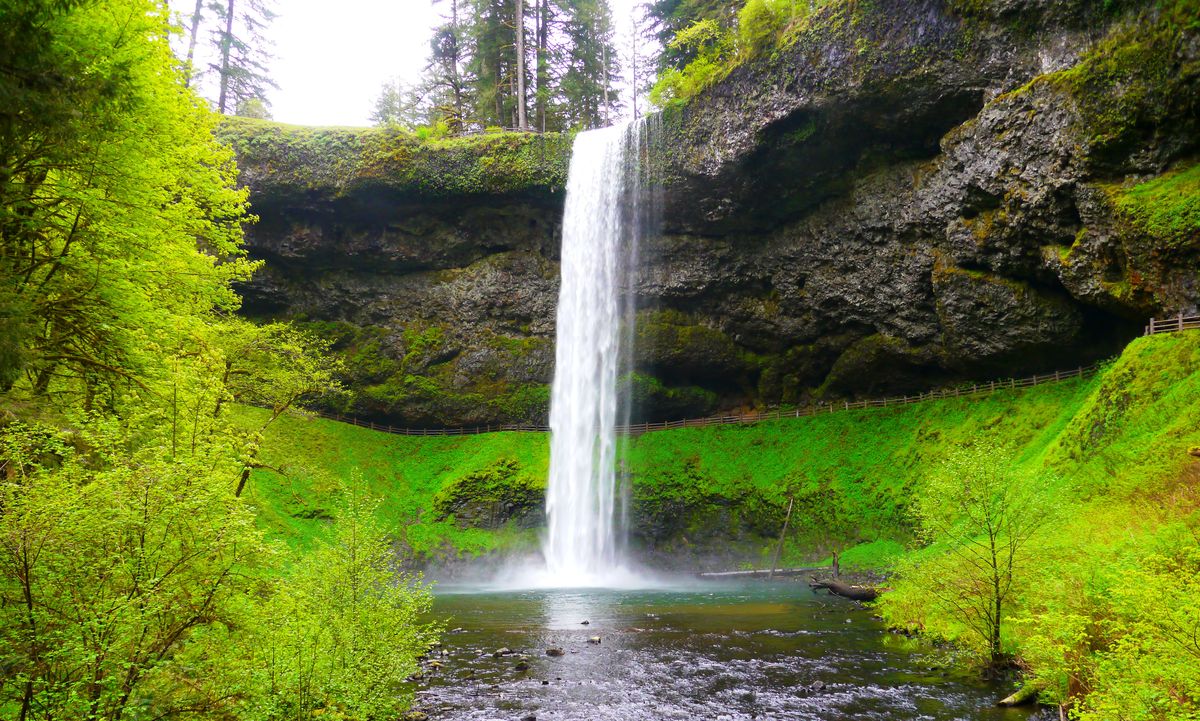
x=1157 y=325
x=963 y=391
x=1173 y=324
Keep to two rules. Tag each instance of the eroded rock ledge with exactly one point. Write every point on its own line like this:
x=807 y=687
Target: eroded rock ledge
x=910 y=193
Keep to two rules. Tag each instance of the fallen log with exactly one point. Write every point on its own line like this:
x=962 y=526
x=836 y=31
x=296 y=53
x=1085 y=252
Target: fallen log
x=760 y=572
x=1027 y=694
x=845 y=590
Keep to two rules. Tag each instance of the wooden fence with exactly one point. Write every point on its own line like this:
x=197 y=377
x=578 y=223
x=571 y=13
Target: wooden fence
x=963 y=391
x=1173 y=324
x=1165 y=325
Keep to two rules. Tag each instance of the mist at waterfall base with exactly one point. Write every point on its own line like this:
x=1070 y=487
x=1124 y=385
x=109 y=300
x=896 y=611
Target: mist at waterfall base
x=586 y=506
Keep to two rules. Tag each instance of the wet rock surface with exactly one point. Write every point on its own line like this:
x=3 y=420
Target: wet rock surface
x=911 y=194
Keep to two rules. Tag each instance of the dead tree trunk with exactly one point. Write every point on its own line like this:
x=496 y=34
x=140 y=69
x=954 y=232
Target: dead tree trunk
x=845 y=590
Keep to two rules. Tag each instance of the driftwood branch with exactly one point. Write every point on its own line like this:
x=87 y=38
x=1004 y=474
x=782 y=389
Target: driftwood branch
x=836 y=587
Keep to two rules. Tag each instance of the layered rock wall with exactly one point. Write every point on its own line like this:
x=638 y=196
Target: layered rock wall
x=906 y=194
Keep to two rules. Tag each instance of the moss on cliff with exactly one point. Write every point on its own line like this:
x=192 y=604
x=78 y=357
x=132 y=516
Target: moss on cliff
x=676 y=342
x=412 y=375
x=646 y=391
x=491 y=496
x=298 y=160
x=1138 y=77
x=1166 y=209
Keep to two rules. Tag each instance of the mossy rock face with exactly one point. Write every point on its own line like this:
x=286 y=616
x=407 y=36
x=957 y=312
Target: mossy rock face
x=683 y=506
x=493 y=496
x=879 y=362
x=671 y=341
x=899 y=195
x=650 y=399
x=284 y=163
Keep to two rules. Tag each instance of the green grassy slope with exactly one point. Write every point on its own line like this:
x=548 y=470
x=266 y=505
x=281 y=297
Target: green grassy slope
x=686 y=482
x=853 y=472
x=312 y=458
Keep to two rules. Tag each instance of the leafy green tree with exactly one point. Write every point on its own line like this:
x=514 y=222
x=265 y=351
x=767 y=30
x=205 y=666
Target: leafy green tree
x=402 y=106
x=253 y=108
x=120 y=219
x=667 y=18
x=112 y=554
x=978 y=517
x=348 y=626
x=273 y=366
x=717 y=39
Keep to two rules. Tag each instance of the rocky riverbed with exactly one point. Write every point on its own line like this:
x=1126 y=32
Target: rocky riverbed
x=734 y=651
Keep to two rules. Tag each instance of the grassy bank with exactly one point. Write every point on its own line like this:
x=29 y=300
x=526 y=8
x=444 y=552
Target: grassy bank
x=1104 y=595
x=852 y=474
x=693 y=488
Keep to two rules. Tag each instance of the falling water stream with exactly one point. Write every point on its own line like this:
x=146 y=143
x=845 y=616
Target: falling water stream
x=601 y=226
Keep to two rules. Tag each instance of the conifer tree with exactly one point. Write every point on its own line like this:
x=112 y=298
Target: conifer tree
x=590 y=98
x=242 y=55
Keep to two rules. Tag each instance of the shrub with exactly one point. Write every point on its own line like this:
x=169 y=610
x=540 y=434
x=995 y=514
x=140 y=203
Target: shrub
x=345 y=630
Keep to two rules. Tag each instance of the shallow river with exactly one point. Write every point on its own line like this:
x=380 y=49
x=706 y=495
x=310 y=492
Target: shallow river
x=752 y=650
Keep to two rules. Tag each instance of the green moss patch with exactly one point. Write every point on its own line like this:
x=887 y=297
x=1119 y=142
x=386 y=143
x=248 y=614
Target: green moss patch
x=336 y=161
x=1166 y=208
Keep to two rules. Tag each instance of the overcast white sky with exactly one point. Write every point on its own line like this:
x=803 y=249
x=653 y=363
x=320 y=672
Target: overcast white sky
x=333 y=56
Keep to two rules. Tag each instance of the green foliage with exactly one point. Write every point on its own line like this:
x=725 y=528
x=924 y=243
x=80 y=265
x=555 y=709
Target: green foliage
x=133 y=580
x=346 y=627
x=421 y=164
x=115 y=551
x=762 y=22
x=980 y=517
x=1166 y=208
x=710 y=46
x=713 y=49
x=1101 y=601
x=120 y=219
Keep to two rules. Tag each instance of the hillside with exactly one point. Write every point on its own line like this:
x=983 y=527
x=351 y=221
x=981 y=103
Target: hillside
x=1122 y=431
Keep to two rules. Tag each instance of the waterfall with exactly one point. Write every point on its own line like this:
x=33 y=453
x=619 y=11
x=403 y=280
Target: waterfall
x=602 y=225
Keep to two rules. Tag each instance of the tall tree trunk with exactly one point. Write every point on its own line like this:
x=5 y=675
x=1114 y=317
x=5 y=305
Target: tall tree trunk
x=226 y=47
x=522 y=119
x=455 y=79
x=604 y=58
x=633 y=59
x=543 y=81
x=997 y=597
x=193 y=34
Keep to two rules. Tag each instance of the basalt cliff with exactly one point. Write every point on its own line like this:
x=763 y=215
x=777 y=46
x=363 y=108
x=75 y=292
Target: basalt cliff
x=907 y=194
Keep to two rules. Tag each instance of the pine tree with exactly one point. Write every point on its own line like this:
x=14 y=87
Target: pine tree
x=449 y=86
x=492 y=61
x=484 y=71
x=591 y=70
x=242 y=54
